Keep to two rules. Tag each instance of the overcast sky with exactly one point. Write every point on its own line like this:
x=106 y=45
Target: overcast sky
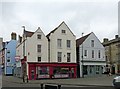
x=98 y=16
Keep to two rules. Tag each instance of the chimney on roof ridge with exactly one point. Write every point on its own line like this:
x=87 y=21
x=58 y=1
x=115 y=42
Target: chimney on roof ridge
x=105 y=40
x=38 y=27
x=13 y=36
x=116 y=36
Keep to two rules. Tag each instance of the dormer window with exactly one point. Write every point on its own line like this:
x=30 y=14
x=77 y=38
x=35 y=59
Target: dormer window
x=39 y=36
x=63 y=31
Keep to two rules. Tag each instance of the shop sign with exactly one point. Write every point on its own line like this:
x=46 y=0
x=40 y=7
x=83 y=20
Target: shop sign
x=61 y=76
x=17 y=58
x=43 y=76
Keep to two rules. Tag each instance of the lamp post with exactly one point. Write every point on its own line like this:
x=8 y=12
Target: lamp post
x=82 y=59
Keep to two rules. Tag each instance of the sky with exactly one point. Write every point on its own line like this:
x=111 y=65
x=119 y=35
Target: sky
x=81 y=16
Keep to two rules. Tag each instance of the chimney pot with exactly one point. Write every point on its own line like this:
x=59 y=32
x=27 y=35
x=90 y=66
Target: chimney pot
x=13 y=36
x=105 y=40
x=116 y=36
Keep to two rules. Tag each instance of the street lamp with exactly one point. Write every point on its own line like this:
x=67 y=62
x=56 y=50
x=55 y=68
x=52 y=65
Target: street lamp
x=82 y=59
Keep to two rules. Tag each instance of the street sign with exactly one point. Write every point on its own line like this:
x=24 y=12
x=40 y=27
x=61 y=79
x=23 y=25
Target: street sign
x=17 y=58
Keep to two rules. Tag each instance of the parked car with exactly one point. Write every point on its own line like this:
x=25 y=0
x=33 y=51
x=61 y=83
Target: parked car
x=116 y=82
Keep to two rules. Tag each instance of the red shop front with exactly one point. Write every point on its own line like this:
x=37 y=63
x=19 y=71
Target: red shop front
x=51 y=70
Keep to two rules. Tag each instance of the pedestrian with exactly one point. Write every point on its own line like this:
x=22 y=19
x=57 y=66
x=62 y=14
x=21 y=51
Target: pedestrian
x=23 y=79
x=26 y=78
x=109 y=73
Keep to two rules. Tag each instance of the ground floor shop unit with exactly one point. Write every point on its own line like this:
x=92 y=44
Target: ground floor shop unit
x=88 y=68
x=114 y=68
x=51 y=70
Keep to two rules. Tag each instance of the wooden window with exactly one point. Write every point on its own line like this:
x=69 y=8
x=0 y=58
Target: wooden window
x=39 y=36
x=85 y=52
x=99 y=54
x=39 y=48
x=59 y=43
x=92 y=43
x=59 y=56
x=68 y=43
x=39 y=59
x=63 y=31
x=92 y=53
x=68 y=57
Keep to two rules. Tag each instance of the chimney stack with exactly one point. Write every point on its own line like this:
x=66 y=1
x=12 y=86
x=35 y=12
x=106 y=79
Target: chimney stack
x=13 y=36
x=116 y=36
x=105 y=40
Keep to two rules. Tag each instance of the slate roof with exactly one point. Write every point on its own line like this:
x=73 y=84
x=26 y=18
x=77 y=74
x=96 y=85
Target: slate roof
x=28 y=33
x=57 y=28
x=81 y=40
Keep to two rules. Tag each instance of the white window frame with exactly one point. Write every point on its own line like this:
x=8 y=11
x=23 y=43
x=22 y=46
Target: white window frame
x=68 y=43
x=68 y=57
x=59 y=43
x=39 y=46
x=59 y=56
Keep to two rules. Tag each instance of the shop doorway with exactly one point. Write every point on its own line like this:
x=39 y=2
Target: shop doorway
x=32 y=74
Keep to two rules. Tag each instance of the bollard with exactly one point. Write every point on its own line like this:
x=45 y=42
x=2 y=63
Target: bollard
x=41 y=85
x=59 y=86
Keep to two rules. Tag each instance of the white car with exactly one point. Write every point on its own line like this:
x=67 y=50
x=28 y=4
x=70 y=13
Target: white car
x=116 y=82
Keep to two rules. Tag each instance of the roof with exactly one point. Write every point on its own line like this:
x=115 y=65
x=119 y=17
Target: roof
x=57 y=28
x=28 y=33
x=81 y=40
x=54 y=30
x=117 y=40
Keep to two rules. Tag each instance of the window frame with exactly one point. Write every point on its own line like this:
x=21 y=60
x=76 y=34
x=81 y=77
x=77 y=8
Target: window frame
x=39 y=46
x=63 y=31
x=85 y=53
x=68 y=57
x=38 y=59
x=92 y=43
x=39 y=36
x=59 y=43
x=59 y=56
x=99 y=54
x=93 y=54
x=68 y=43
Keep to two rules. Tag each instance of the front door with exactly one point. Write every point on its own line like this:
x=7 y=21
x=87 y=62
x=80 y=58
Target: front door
x=91 y=70
x=32 y=74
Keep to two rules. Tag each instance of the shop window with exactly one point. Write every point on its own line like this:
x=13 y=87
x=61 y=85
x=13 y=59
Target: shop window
x=61 y=70
x=43 y=70
x=97 y=69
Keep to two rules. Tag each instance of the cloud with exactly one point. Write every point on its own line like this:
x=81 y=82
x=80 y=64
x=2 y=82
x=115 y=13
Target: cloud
x=80 y=17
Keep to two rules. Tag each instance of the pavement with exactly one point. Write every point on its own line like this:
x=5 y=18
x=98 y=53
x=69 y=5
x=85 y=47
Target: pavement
x=0 y=81
x=103 y=80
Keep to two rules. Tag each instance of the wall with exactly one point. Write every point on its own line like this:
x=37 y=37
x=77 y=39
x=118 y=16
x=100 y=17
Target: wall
x=11 y=46
x=31 y=48
x=53 y=44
